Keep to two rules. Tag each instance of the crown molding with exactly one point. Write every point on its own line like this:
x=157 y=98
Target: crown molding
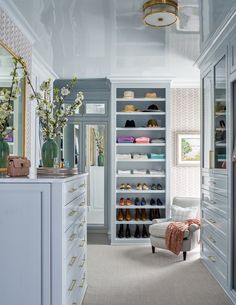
x=143 y=79
x=40 y=65
x=12 y=11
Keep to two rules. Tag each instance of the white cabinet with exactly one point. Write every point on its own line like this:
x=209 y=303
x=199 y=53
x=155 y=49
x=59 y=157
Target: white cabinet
x=43 y=241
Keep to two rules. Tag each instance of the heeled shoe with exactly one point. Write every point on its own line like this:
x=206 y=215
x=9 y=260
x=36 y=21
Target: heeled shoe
x=143 y=215
x=120 y=215
x=127 y=232
x=121 y=231
x=137 y=215
x=159 y=202
x=152 y=202
x=144 y=232
x=137 y=232
x=122 y=201
x=127 y=215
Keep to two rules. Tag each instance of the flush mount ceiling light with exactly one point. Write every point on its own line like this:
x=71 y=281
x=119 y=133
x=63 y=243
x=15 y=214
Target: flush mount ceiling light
x=160 y=13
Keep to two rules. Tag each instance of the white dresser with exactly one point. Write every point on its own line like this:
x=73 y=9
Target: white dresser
x=43 y=238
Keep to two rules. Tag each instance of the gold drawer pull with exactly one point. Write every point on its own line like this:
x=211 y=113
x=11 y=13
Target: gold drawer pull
x=82 y=204
x=72 y=285
x=82 y=185
x=72 y=237
x=82 y=244
x=212 y=220
x=82 y=283
x=211 y=258
x=82 y=264
x=72 y=261
x=72 y=213
x=212 y=239
x=213 y=202
x=212 y=182
x=72 y=190
x=82 y=223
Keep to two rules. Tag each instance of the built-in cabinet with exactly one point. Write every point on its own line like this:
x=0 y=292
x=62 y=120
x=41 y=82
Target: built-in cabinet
x=43 y=257
x=140 y=167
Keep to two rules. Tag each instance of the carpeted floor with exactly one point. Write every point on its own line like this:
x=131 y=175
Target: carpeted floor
x=132 y=275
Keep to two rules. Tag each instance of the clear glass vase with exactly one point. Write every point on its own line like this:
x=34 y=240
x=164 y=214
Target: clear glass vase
x=4 y=152
x=50 y=152
x=100 y=159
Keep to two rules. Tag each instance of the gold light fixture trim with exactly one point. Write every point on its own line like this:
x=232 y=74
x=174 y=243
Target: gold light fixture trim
x=160 y=13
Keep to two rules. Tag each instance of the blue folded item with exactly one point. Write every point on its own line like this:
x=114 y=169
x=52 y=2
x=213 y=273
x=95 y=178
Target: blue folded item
x=156 y=156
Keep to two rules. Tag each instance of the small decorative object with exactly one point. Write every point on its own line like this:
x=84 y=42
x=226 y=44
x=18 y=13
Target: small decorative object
x=60 y=172
x=7 y=98
x=188 y=149
x=100 y=147
x=18 y=166
x=129 y=94
x=151 y=95
x=53 y=115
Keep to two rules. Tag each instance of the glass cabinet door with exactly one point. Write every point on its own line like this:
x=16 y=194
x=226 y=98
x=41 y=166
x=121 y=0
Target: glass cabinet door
x=207 y=120
x=220 y=114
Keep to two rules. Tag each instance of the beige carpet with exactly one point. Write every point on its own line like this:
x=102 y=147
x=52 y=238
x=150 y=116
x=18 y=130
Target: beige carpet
x=132 y=275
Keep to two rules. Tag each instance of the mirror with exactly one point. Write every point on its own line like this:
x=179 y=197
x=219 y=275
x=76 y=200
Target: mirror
x=15 y=138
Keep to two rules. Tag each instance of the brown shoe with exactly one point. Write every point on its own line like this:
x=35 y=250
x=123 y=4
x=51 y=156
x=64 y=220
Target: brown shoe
x=122 y=201
x=137 y=215
x=120 y=215
x=127 y=215
x=152 y=214
x=157 y=214
x=143 y=215
x=128 y=201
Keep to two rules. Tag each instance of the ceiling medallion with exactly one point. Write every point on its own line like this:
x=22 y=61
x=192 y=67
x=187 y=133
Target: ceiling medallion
x=160 y=13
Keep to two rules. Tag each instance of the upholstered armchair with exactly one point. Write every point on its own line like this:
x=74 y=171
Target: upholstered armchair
x=191 y=236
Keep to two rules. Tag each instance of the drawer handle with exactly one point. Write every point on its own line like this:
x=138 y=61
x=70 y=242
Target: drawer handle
x=212 y=182
x=212 y=239
x=72 y=261
x=213 y=202
x=72 y=237
x=82 y=185
x=82 y=283
x=82 y=204
x=211 y=258
x=72 y=285
x=72 y=213
x=72 y=190
x=82 y=223
x=82 y=264
x=82 y=244
x=212 y=220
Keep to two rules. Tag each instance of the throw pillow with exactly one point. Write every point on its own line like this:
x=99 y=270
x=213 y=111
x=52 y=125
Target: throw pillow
x=182 y=214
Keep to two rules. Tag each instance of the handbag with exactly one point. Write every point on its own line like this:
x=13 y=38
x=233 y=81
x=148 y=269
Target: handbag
x=18 y=166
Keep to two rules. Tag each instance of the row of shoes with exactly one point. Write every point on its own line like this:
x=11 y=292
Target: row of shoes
x=140 y=187
x=138 y=201
x=151 y=123
x=140 y=214
x=137 y=234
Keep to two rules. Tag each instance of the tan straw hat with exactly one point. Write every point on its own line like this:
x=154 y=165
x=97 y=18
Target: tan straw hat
x=130 y=108
x=128 y=94
x=151 y=95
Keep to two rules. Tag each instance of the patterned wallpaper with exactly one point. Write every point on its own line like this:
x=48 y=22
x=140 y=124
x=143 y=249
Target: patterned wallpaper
x=185 y=116
x=11 y=36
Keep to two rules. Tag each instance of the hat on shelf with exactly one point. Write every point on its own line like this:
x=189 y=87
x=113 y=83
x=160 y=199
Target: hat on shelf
x=151 y=95
x=129 y=94
x=152 y=108
x=129 y=108
x=152 y=123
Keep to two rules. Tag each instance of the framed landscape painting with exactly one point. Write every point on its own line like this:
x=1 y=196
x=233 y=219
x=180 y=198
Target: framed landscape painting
x=188 y=149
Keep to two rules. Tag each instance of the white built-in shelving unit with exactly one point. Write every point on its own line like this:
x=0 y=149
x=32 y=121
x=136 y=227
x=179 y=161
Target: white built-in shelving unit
x=119 y=118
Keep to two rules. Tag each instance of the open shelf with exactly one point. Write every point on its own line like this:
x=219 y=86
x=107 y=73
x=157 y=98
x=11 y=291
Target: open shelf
x=136 y=160
x=140 y=192
x=140 y=144
x=139 y=176
x=141 y=99
x=133 y=222
x=147 y=206
x=140 y=128
x=141 y=113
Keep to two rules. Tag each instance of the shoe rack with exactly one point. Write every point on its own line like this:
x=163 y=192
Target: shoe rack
x=130 y=221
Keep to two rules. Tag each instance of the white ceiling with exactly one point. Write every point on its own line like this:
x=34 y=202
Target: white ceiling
x=91 y=38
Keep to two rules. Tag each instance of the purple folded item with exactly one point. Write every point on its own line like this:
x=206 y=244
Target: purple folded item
x=125 y=140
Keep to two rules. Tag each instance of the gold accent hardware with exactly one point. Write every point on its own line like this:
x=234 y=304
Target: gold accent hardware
x=82 y=283
x=72 y=213
x=82 y=204
x=212 y=220
x=213 y=202
x=211 y=159
x=82 y=244
x=211 y=258
x=72 y=261
x=82 y=185
x=212 y=239
x=72 y=285
x=82 y=264
x=72 y=190
x=155 y=2
x=72 y=237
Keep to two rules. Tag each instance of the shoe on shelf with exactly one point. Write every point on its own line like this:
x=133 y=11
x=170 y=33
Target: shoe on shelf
x=139 y=187
x=152 y=202
x=120 y=215
x=132 y=123
x=137 y=215
x=157 y=214
x=121 y=231
x=159 y=187
x=144 y=232
x=122 y=186
x=159 y=202
x=137 y=232
x=127 y=215
x=152 y=214
x=222 y=123
x=143 y=215
x=137 y=201
x=153 y=187
x=122 y=201
x=145 y=187
x=143 y=201
x=128 y=186
x=127 y=232
x=128 y=201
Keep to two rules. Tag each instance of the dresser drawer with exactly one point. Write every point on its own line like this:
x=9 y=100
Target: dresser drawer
x=75 y=235
x=216 y=183
x=74 y=188
x=75 y=209
x=217 y=241
x=214 y=262
x=214 y=221
x=215 y=202
x=76 y=297
x=74 y=285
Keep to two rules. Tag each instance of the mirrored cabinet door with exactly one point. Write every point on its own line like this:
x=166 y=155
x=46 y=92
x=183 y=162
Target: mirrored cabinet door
x=220 y=114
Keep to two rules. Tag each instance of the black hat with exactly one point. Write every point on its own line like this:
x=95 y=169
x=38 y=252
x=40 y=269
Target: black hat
x=152 y=108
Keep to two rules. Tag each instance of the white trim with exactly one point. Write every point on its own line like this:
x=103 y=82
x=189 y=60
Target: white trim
x=40 y=66
x=140 y=80
x=12 y=11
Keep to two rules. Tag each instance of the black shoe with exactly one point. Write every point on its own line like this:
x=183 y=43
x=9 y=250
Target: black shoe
x=157 y=214
x=127 y=232
x=152 y=202
x=159 y=202
x=121 y=231
x=151 y=214
x=144 y=232
x=159 y=187
x=137 y=201
x=153 y=187
x=132 y=123
x=143 y=201
x=137 y=232
x=222 y=123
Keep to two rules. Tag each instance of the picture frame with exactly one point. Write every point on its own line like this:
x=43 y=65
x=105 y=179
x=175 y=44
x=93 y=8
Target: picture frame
x=188 y=149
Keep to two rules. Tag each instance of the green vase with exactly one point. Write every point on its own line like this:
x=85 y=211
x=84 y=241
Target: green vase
x=100 y=159
x=4 y=152
x=50 y=151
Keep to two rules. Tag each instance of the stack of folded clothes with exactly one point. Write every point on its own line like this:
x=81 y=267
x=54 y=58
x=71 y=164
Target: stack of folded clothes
x=142 y=140
x=140 y=156
x=139 y=171
x=125 y=139
x=155 y=172
x=123 y=156
x=158 y=140
x=124 y=172
x=221 y=157
x=156 y=156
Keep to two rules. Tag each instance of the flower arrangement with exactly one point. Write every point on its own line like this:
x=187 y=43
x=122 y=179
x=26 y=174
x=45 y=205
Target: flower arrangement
x=7 y=97
x=51 y=109
x=99 y=141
